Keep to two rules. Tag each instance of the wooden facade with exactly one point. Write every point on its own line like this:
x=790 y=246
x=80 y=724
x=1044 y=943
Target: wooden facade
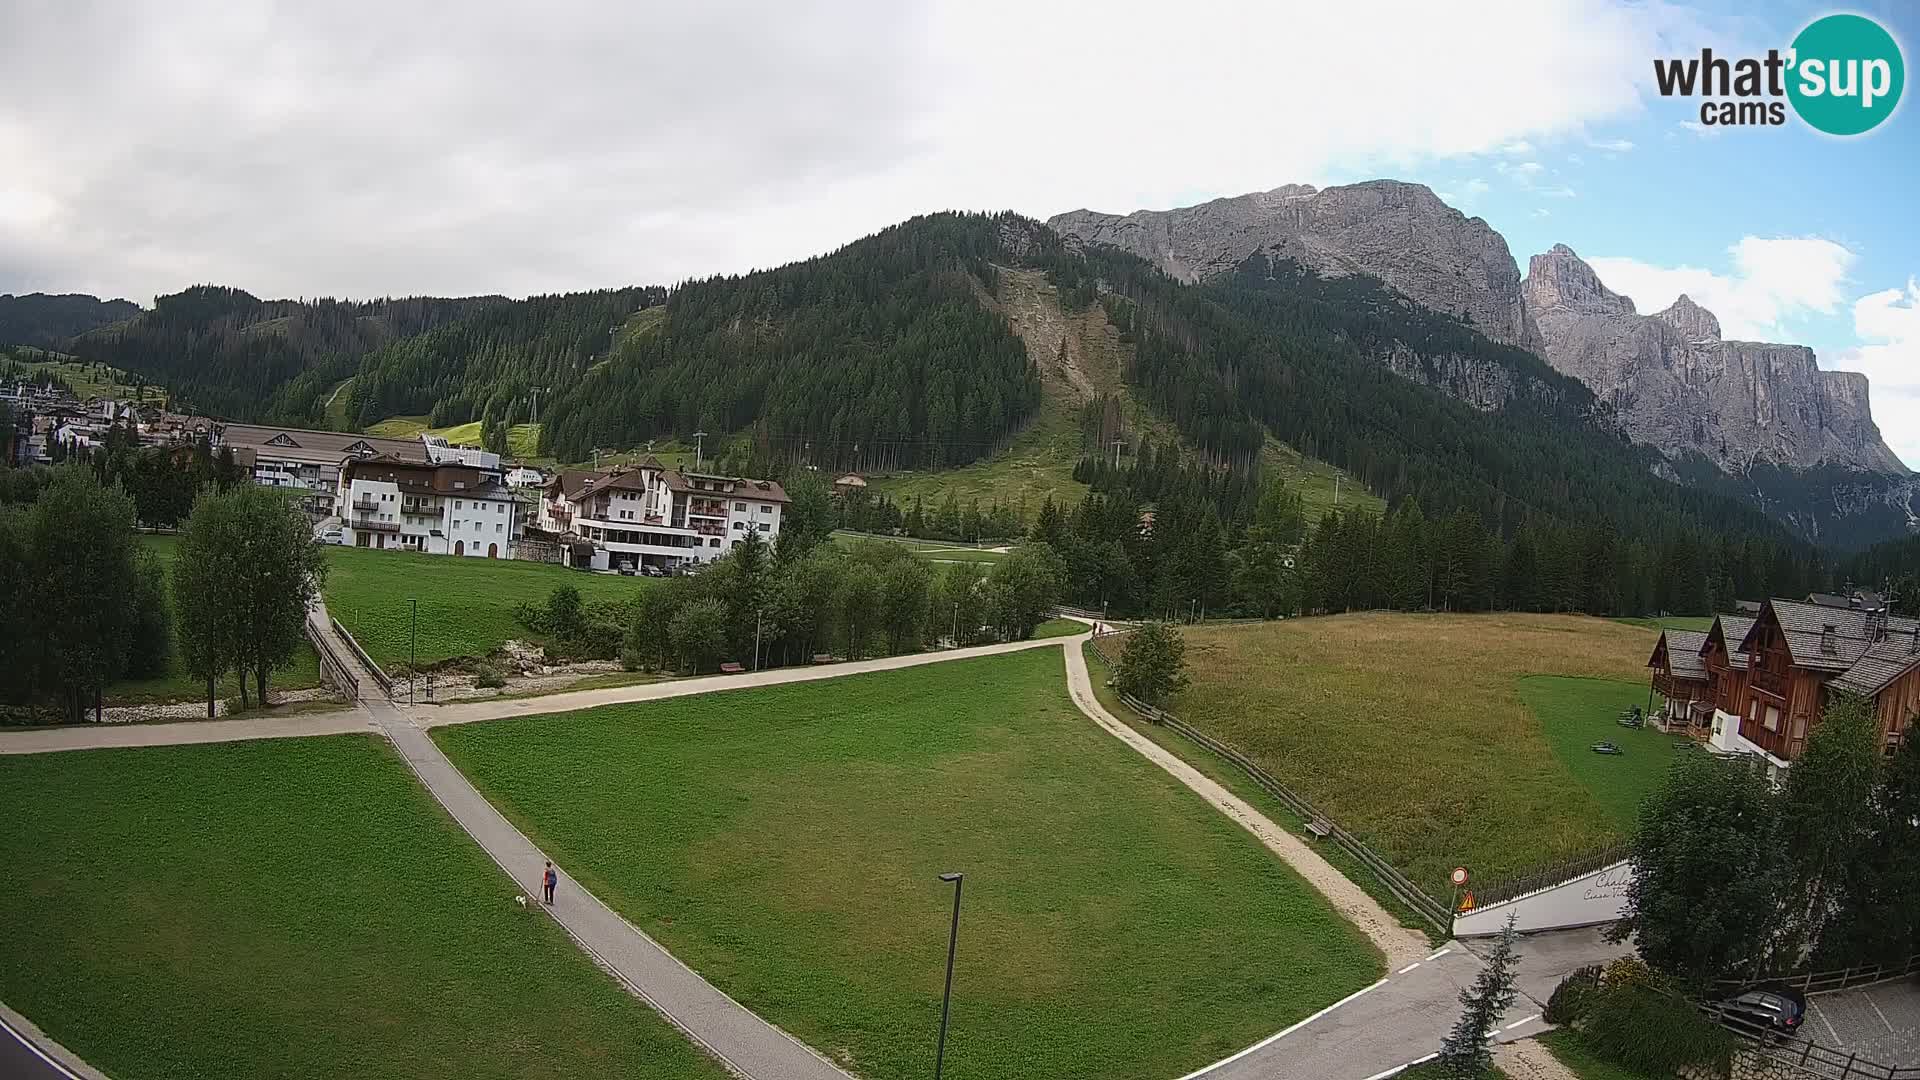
x=1680 y=678
x=1727 y=672
x=1898 y=705
x=1783 y=698
x=1803 y=653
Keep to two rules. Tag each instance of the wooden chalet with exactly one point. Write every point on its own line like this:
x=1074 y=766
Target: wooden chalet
x=1802 y=653
x=1680 y=676
x=1727 y=671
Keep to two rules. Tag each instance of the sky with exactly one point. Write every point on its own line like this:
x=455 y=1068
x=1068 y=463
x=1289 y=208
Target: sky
x=362 y=149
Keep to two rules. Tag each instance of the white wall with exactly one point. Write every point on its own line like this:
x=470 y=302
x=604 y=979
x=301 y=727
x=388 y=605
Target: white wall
x=1598 y=897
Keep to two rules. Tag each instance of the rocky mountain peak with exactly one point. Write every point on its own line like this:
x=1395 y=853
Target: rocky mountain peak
x=1560 y=280
x=1694 y=322
x=1401 y=233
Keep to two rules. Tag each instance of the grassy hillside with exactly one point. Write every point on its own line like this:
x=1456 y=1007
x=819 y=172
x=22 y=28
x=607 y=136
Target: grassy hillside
x=290 y=908
x=785 y=842
x=1432 y=737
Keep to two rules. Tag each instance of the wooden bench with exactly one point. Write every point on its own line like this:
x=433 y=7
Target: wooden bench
x=731 y=669
x=822 y=658
x=1320 y=827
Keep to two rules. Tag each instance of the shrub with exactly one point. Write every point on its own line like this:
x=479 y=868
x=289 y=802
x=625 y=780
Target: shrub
x=1641 y=1028
x=1574 y=996
x=488 y=677
x=1154 y=667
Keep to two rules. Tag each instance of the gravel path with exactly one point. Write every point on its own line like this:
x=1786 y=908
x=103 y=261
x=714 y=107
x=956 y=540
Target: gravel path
x=1400 y=945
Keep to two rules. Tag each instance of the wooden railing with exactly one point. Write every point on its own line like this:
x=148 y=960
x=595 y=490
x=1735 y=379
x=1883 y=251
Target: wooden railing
x=1395 y=882
x=379 y=677
x=1826 y=982
x=331 y=663
x=1803 y=1053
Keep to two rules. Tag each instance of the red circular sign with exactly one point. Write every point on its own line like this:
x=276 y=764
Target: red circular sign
x=1460 y=875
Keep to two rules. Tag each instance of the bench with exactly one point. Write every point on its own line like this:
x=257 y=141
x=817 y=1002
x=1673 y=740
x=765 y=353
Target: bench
x=731 y=669
x=1320 y=827
x=822 y=658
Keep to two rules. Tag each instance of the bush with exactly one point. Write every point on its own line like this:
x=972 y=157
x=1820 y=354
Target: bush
x=1574 y=996
x=1638 y=1027
x=488 y=677
x=1154 y=667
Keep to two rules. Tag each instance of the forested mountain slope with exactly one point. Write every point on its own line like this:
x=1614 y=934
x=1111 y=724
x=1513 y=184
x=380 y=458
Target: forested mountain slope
x=50 y=321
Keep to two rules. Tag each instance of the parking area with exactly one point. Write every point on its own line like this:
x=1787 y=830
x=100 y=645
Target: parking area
x=1879 y=1023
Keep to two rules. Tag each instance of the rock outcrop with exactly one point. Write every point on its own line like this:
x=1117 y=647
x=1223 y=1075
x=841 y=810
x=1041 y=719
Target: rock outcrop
x=1677 y=385
x=1401 y=233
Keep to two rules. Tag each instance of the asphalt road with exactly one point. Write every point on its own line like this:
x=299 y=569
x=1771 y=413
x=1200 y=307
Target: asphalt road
x=20 y=1060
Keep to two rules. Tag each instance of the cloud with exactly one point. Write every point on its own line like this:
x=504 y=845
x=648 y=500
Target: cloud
x=1698 y=128
x=1888 y=322
x=1517 y=148
x=1561 y=192
x=1541 y=211
x=1523 y=173
x=359 y=148
x=1476 y=186
x=1772 y=280
x=1611 y=146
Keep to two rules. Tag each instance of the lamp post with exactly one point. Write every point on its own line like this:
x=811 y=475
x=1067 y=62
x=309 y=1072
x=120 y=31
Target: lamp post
x=758 y=612
x=413 y=638
x=946 y=1000
x=956 y=624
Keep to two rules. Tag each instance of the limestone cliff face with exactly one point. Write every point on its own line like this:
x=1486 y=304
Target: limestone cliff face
x=1400 y=233
x=1675 y=384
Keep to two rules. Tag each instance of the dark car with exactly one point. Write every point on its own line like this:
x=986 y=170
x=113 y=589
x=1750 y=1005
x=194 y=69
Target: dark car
x=1775 y=1008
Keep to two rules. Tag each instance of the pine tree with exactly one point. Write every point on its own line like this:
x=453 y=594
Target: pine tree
x=1467 y=1053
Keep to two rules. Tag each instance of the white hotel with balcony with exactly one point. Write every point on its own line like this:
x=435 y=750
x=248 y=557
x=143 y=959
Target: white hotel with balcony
x=653 y=516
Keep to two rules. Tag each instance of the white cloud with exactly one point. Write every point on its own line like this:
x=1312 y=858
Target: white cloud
x=1699 y=128
x=289 y=150
x=1541 y=211
x=1888 y=322
x=1517 y=148
x=1477 y=186
x=1611 y=146
x=1561 y=192
x=1772 y=280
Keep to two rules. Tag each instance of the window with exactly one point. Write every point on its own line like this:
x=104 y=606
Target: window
x=715 y=542
x=765 y=527
x=499 y=527
x=458 y=505
x=1772 y=719
x=740 y=507
x=766 y=509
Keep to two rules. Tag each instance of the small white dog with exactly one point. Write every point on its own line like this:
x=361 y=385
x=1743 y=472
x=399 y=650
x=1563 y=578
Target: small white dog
x=521 y=900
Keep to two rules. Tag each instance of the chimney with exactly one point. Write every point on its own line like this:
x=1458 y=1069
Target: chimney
x=1914 y=646
x=1829 y=642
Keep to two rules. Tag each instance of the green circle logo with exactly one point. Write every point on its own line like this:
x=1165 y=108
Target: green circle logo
x=1847 y=74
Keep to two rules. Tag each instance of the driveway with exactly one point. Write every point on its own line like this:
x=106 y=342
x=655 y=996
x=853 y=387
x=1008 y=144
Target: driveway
x=1879 y=1023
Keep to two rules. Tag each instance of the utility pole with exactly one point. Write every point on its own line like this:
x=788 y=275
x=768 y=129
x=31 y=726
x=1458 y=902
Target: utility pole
x=1336 y=490
x=413 y=638
x=699 y=449
x=757 y=612
x=1116 y=451
x=956 y=625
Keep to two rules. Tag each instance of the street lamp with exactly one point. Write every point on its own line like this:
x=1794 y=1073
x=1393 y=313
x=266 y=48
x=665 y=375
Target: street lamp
x=946 y=1001
x=413 y=638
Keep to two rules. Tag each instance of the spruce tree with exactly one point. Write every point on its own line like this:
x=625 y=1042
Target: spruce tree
x=1467 y=1053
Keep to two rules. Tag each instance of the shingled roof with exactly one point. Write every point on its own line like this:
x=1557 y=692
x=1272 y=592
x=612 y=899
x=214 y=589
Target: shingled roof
x=1832 y=639
x=1880 y=665
x=1680 y=651
x=1732 y=630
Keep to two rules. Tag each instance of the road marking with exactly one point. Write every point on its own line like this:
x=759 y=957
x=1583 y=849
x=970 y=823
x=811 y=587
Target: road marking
x=1520 y=1023
x=1441 y=953
x=1398 y=1069
x=1868 y=994
x=1274 y=1038
x=1817 y=1011
x=1408 y=968
x=39 y=1053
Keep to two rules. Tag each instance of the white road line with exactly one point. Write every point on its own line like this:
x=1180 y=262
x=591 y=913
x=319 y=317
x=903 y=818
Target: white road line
x=1398 y=1069
x=1274 y=1038
x=1408 y=968
x=1521 y=1023
x=37 y=1052
x=1441 y=953
x=1868 y=994
x=1837 y=1040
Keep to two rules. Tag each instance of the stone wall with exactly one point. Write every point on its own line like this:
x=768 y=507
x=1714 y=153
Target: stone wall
x=1750 y=1064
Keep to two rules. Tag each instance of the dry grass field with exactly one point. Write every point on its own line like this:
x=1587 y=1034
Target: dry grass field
x=1411 y=731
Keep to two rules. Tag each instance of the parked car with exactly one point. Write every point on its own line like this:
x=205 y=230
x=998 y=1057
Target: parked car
x=331 y=536
x=1775 y=1008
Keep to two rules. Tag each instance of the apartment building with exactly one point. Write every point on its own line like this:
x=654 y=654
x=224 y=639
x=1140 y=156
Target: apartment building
x=312 y=462
x=650 y=516
x=443 y=508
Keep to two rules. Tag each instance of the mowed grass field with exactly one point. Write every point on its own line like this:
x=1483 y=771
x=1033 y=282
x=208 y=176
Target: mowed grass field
x=466 y=604
x=1578 y=713
x=303 y=673
x=1412 y=731
x=936 y=550
x=290 y=908
x=786 y=843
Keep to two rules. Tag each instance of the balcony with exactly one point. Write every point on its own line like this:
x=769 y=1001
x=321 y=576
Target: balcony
x=367 y=524
x=366 y=502
x=707 y=508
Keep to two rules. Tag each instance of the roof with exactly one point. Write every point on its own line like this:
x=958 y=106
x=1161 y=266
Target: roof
x=299 y=444
x=733 y=487
x=577 y=485
x=422 y=478
x=1732 y=630
x=1879 y=666
x=1831 y=639
x=1680 y=650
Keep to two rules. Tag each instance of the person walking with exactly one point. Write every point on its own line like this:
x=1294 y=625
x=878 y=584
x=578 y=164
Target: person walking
x=550 y=879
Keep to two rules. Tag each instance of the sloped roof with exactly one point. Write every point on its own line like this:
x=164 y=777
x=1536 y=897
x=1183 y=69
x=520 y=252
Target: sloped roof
x=308 y=445
x=1732 y=630
x=1806 y=627
x=1879 y=666
x=1682 y=653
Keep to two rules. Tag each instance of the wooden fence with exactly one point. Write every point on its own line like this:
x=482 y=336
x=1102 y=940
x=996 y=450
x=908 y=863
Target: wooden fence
x=1395 y=882
x=1804 y=1054
x=1826 y=982
x=331 y=663
x=379 y=677
x=1559 y=873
